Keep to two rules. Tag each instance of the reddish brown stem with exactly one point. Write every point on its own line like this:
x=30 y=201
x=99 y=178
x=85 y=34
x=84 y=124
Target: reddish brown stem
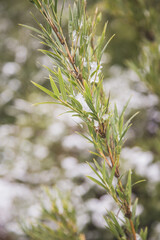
x=133 y=229
x=103 y=156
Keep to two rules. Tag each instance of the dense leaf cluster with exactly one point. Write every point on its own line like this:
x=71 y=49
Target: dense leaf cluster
x=76 y=81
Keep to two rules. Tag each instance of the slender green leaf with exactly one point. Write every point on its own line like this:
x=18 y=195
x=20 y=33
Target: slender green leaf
x=60 y=19
x=87 y=91
x=31 y=28
x=125 y=107
x=140 y=181
x=134 y=208
x=112 y=174
x=96 y=181
x=76 y=103
x=61 y=84
x=106 y=45
x=55 y=5
x=128 y=189
x=95 y=171
x=40 y=103
x=120 y=194
x=144 y=233
x=48 y=92
x=96 y=154
x=97 y=165
x=54 y=87
x=104 y=172
x=90 y=140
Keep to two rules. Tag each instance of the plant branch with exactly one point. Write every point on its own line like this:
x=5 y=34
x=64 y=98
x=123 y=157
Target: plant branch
x=62 y=40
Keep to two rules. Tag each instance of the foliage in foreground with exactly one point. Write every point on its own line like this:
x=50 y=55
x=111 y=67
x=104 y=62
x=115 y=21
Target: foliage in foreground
x=57 y=221
x=77 y=83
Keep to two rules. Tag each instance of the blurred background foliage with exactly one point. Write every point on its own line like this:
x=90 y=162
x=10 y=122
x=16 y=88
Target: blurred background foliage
x=38 y=146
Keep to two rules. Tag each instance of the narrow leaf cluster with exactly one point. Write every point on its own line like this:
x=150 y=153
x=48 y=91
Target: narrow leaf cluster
x=57 y=222
x=76 y=82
